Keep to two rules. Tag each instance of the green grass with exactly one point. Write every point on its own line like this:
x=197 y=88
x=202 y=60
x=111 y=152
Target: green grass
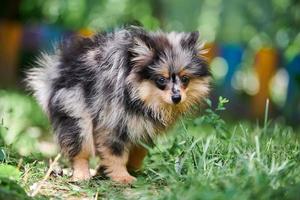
x=205 y=158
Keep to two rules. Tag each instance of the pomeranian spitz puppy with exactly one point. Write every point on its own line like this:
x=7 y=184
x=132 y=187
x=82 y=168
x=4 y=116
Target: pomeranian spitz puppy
x=107 y=94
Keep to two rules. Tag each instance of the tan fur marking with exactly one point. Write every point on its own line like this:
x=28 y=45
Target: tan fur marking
x=163 y=70
x=80 y=163
x=116 y=166
x=183 y=72
x=136 y=157
x=80 y=168
x=164 y=73
x=199 y=87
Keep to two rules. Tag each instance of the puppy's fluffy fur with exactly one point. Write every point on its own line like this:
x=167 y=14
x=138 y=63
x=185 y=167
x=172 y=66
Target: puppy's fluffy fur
x=106 y=94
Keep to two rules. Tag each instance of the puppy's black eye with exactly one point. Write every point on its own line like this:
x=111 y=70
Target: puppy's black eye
x=161 y=82
x=185 y=80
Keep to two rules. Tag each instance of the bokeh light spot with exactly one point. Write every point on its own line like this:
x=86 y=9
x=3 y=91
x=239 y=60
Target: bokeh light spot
x=219 y=68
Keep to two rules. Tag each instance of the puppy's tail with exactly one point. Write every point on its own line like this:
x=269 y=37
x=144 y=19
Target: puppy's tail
x=40 y=78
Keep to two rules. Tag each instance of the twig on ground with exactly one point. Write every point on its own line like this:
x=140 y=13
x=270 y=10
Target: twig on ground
x=96 y=196
x=40 y=184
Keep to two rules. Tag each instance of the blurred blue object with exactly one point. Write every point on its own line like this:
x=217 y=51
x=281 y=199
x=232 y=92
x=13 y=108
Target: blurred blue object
x=50 y=35
x=43 y=37
x=31 y=38
x=293 y=95
x=232 y=53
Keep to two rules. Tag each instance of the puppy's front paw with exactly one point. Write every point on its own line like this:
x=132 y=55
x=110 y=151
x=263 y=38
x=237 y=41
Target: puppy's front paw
x=123 y=179
x=81 y=170
x=81 y=176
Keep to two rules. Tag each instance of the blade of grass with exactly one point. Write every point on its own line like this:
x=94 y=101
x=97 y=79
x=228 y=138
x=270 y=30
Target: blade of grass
x=266 y=117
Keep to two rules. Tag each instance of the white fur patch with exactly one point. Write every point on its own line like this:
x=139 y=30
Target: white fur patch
x=39 y=79
x=142 y=52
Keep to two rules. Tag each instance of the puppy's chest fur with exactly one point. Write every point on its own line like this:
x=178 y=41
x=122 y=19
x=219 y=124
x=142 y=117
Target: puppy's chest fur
x=138 y=125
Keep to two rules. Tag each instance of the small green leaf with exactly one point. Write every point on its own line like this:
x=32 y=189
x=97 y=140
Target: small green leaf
x=9 y=171
x=2 y=155
x=9 y=189
x=208 y=101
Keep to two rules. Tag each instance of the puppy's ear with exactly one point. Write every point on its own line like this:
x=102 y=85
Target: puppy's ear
x=190 y=40
x=142 y=51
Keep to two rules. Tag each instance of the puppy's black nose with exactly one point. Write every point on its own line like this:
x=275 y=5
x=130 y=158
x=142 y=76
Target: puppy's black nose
x=176 y=98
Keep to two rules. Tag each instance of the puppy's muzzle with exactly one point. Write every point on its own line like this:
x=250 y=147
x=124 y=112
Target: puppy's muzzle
x=176 y=98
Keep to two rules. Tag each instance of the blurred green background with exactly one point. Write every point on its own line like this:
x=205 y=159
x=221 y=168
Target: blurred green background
x=254 y=45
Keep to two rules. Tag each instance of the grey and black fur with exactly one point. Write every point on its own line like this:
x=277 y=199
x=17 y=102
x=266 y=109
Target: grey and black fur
x=107 y=93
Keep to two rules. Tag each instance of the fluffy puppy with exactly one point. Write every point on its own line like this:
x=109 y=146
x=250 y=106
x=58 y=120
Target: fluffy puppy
x=106 y=94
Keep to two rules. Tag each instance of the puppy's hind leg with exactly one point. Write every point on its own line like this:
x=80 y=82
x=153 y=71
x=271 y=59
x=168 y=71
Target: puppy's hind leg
x=72 y=136
x=74 y=131
x=80 y=168
x=80 y=162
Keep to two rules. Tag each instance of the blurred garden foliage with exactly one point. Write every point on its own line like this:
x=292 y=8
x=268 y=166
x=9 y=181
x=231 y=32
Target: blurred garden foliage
x=272 y=22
